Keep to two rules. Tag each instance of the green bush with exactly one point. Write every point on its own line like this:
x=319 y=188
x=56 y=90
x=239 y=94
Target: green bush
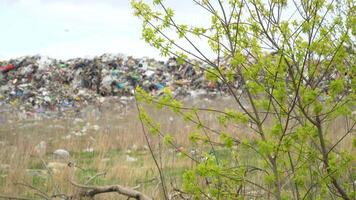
x=293 y=62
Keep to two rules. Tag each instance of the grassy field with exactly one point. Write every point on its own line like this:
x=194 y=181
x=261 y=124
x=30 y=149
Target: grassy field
x=107 y=147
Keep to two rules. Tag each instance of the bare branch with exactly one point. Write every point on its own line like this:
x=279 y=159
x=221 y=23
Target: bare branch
x=92 y=191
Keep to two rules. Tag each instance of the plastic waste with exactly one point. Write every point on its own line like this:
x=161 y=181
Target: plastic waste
x=40 y=85
x=7 y=68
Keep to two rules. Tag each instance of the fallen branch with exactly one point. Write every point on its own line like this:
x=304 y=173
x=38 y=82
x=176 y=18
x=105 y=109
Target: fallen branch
x=92 y=191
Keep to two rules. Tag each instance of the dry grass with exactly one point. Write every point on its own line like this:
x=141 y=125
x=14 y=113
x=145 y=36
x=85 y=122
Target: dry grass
x=105 y=141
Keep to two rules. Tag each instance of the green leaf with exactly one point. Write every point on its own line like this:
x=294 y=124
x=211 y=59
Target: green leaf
x=276 y=129
x=190 y=182
x=265 y=147
x=168 y=139
x=227 y=140
x=182 y=30
x=337 y=86
x=318 y=107
x=194 y=137
x=156 y=2
x=238 y=59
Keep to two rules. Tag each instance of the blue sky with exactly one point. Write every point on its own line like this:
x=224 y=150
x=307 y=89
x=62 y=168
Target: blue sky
x=70 y=28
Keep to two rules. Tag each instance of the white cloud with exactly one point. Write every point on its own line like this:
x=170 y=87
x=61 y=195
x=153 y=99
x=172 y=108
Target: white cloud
x=72 y=28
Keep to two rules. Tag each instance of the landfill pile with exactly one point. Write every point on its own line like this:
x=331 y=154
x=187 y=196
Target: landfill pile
x=39 y=83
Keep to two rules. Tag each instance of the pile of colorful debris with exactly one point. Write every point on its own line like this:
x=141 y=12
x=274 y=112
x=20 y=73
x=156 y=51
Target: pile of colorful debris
x=39 y=84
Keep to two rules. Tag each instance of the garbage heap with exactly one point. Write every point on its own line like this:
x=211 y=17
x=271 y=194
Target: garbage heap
x=42 y=83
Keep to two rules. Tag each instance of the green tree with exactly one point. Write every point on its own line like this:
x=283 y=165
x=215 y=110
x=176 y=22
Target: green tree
x=293 y=62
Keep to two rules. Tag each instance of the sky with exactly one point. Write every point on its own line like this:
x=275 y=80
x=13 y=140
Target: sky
x=76 y=28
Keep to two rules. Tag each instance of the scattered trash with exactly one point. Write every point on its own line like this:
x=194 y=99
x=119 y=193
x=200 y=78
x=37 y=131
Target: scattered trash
x=79 y=133
x=61 y=154
x=179 y=149
x=96 y=127
x=130 y=159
